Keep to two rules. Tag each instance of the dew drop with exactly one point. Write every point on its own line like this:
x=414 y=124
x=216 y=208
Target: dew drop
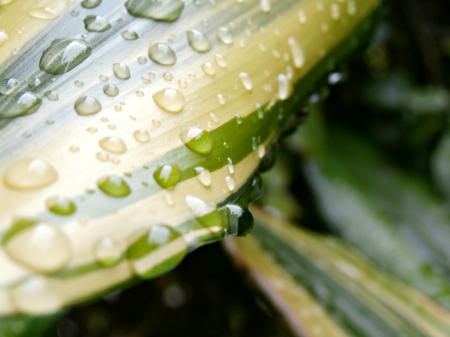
x=265 y=6
x=214 y=117
x=221 y=99
x=51 y=95
x=110 y=90
x=203 y=176
x=142 y=60
x=220 y=60
x=95 y=23
x=302 y=16
x=197 y=140
x=161 y=10
x=335 y=11
x=29 y=174
x=230 y=183
x=156 y=123
x=90 y=3
x=240 y=220
x=78 y=84
x=113 y=144
x=103 y=78
x=167 y=175
x=168 y=76
x=61 y=206
x=8 y=85
x=170 y=100
x=91 y=129
x=102 y=156
x=87 y=105
x=151 y=75
x=246 y=81
x=114 y=186
x=74 y=149
x=121 y=71
x=162 y=54
x=208 y=69
x=284 y=87
x=145 y=80
x=297 y=52
x=63 y=55
x=141 y=136
x=261 y=151
x=224 y=35
x=130 y=35
x=108 y=251
x=155 y=251
x=38 y=245
x=183 y=84
x=169 y=200
x=140 y=93
x=3 y=37
x=19 y=104
x=198 y=41
x=43 y=13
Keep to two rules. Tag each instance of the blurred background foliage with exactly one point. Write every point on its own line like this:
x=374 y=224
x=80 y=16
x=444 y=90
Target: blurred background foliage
x=395 y=96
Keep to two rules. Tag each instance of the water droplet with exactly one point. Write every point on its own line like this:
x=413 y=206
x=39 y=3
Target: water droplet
x=19 y=104
x=3 y=37
x=197 y=140
x=261 y=151
x=90 y=3
x=167 y=175
x=74 y=149
x=203 y=176
x=36 y=295
x=161 y=10
x=151 y=75
x=74 y=13
x=284 y=87
x=220 y=60
x=168 y=76
x=302 y=16
x=141 y=136
x=8 y=85
x=169 y=200
x=198 y=41
x=142 y=60
x=335 y=11
x=103 y=78
x=155 y=251
x=29 y=174
x=121 y=71
x=108 y=251
x=208 y=69
x=170 y=100
x=351 y=9
x=238 y=119
x=162 y=54
x=230 y=183
x=297 y=52
x=110 y=90
x=139 y=93
x=246 y=81
x=145 y=80
x=113 y=144
x=61 y=206
x=63 y=55
x=240 y=220
x=221 y=99
x=265 y=6
x=205 y=22
x=78 y=84
x=43 y=13
x=183 y=84
x=114 y=186
x=51 y=95
x=40 y=246
x=91 y=129
x=87 y=105
x=156 y=123
x=224 y=35
x=102 y=156
x=96 y=23
x=130 y=35
x=214 y=117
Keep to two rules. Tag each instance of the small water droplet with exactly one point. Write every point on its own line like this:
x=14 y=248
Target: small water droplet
x=3 y=37
x=139 y=93
x=261 y=151
x=96 y=23
x=208 y=69
x=183 y=84
x=91 y=129
x=151 y=75
x=142 y=60
x=168 y=76
x=230 y=166
x=108 y=251
x=141 y=136
x=114 y=186
x=78 y=84
x=111 y=90
x=38 y=245
x=203 y=176
x=63 y=55
x=29 y=174
x=87 y=105
x=170 y=100
x=113 y=144
x=102 y=156
x=265 y=6
x=162 y=54
x=230 y=183
x=121 y=71
x=238 y=119
x=61 y=206
x=43 y=13
x=75 y=13
x=246 y=81
x=169 y=200
x=284 y=87
x=90 y=3
x=103 y=78
x=33 y=82
x=220 y=60
x=197 y=140
x=167 y=10
x=156 y=123
x=221 y=99
x=51 y=95
x=198 y=41
x=74 y=149
x=8 y=85
x=130 y=35
x=145 y=80
x=167 y=175
x=224 y=35
x=302 y=16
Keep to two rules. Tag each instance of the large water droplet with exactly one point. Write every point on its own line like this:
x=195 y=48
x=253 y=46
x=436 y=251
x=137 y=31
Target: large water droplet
x=170 y=100
x=224 y=35
x=37 y=245
x=162 y=54
x=161 y=10
x=121 y=71
x=63 y=55
x=43 y=13
x=95 y=23
x=298 y=54
x=90 y=3
x=61 y=205
x=246 y=81
x=203 y=176
x=113 y=144
x=108 y=251
x=29 y=174
x=167 y=175
x=87 y=105
x=114 y=186
x=240 y=220
x=198 y=41
x=197 y=140
x=19 y=104
x=8 y=85
x=110 y=90
x=156 y=251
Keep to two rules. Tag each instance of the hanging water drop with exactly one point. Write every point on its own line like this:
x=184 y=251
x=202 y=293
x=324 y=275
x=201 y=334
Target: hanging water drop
x=240 y=220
